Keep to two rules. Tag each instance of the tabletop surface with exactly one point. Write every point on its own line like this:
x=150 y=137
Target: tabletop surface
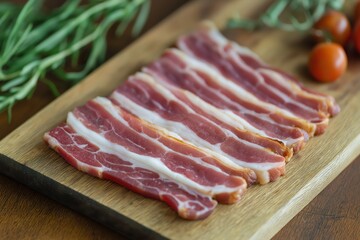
x=26 y=214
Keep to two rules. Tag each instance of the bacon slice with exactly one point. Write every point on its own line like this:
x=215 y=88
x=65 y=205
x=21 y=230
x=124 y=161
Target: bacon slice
x=175 y=68
x=197 y=128
x=91 y=159
x=221 y=119
x=332 y=108
x=150 y=101
x=319 y=101
x=244 y=68
x=122 y=134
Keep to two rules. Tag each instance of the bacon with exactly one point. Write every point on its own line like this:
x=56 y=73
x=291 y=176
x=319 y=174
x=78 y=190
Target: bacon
x=332 y=108
x=176 y=69
x=149 y=100
x=220 y=118
x=122 y=134
x=89 y=158
x=196 y=127
x=244 y=68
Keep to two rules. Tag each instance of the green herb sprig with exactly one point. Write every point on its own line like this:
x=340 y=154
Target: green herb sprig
x=33 y=44
x=288 y=15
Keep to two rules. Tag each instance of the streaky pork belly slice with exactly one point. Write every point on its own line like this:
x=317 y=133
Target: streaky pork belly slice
x=172 y=69
x=332 y=108
x=144 y=97
x=122 y=134
x=89 y=158
x=317 y=100
x=243 y=67
x=193 y=129
x=228 y=122
x=249 y=103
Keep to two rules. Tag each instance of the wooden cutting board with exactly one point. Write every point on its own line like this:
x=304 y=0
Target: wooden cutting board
x=264 y=209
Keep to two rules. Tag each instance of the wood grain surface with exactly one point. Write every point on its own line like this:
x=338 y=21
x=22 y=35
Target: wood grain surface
x=315 y=166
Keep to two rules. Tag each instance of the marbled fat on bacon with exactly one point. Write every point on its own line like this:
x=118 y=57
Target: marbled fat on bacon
x=149 y=100
x=244 y=68
x=89 y=158
x=227 y=122
x=174 y=68
x=197 y=127
x=319 y=101
x=119 y=135
x=126 y=135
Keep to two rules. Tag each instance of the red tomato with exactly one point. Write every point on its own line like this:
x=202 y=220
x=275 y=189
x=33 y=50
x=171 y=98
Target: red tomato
x=356 y=35
x=327 y=62
x=333 y=26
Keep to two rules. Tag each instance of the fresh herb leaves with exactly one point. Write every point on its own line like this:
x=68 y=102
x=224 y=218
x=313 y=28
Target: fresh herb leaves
x=33 y=44
x=289 y=15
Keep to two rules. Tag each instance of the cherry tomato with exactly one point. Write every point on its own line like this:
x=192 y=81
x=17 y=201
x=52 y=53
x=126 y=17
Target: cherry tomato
x=333 y=26
x=356 y=35
x=357 y=11
x=327 y=62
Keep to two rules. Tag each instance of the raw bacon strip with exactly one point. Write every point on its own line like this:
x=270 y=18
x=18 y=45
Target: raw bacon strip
x=210 y=46
x=251 y=104
x=89 y=158
x=239 y=65
x=206 y=156
x=332 y=108
x=150 y=101
x=172 y=69
x=122 y=134
x=319 y=101
x=181 y=131
x=220 y=117
x=321 y=121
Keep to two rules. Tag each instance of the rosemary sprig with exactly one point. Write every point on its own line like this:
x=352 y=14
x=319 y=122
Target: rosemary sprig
x=288 y=15
x=33 y=44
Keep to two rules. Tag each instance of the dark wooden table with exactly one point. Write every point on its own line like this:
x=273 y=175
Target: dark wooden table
x=26 y=214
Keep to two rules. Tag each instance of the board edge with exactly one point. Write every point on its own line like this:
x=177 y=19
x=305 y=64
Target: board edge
x=75 y=200
x=283 y=216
